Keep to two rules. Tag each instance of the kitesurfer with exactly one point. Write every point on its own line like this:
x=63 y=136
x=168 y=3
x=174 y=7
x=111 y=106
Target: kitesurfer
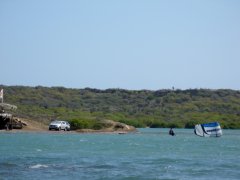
x=171 y=132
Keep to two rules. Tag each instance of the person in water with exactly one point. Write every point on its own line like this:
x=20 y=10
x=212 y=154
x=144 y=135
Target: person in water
x=171 y=132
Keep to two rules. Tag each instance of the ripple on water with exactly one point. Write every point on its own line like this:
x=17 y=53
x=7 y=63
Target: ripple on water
x=133 y=156
x=7 y=165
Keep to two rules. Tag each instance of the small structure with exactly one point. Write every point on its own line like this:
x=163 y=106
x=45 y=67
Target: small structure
x=7 y=121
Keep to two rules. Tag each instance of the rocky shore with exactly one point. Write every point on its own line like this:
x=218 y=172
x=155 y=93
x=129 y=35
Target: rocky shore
x=112 y=127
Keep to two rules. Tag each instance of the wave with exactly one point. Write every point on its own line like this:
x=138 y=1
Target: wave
x=37 y=166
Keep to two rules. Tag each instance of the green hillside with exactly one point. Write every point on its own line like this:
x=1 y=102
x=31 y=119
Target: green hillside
x=142 y=108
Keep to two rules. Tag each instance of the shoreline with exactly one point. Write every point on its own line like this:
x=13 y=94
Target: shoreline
x=30 y=125
x=82 y=131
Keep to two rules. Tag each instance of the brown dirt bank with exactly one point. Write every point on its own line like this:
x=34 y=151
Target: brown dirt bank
x=113 y=127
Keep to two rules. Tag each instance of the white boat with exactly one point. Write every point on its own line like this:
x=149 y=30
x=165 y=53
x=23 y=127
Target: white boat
x=212 y=129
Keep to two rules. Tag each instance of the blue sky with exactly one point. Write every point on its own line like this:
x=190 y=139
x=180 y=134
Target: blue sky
x=130 y=44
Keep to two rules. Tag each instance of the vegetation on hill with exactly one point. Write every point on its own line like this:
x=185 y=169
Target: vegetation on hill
x=85 y=108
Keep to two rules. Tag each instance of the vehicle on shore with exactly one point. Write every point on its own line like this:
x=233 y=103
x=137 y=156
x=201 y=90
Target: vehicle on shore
x=59 y=125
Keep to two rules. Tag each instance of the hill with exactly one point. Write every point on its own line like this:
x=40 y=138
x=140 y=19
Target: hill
x=85 y=108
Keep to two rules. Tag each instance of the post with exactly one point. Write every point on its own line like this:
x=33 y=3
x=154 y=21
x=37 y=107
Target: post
x=1 y=95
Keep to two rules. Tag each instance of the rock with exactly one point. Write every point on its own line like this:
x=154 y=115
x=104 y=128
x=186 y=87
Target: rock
x=117 y=126
x=111 y=127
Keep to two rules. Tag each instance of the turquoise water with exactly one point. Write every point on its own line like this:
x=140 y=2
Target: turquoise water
x=148 y=154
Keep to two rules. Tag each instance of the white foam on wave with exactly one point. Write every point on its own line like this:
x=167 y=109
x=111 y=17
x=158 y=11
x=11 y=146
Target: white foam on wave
x=83 y=140
x=38 y=150
x=37 y=166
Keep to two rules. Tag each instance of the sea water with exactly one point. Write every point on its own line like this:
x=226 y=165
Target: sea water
x=147 y=154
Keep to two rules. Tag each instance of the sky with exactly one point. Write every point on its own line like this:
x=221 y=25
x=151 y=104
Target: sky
x=127 y=44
